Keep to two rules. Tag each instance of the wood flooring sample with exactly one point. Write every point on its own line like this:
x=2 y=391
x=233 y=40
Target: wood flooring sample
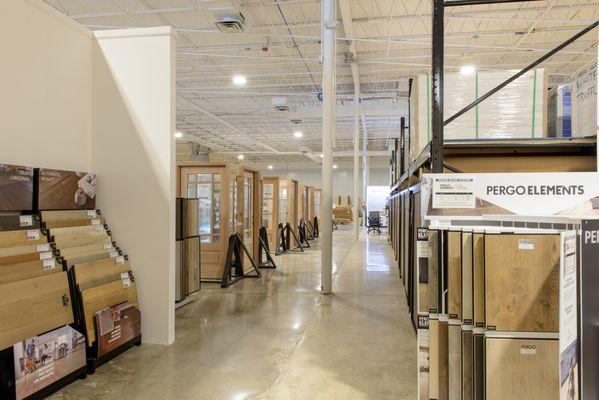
x=454 y=361
x=454 y=273
x=22 y=238
x=95 y=273
x=467 y=306
x=442 y=339
x=522 y=369
x=522 y=282
x=478 y=378
x=16 y=187
x=478 y=278
x=467 y=365
x=192 y=264
x=433 y=272
x=27 y=270
x=433 y=357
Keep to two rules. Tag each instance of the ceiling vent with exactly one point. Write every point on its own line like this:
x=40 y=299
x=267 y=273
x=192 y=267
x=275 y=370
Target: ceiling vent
x=230 y=22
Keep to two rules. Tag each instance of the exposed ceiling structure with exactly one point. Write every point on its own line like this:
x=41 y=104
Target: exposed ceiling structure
x=381 y=44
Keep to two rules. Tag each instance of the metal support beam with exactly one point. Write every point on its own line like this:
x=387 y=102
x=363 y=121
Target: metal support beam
x=329 y=8
x=437 y=85
x=402 y=138
x=356 y=197
x=451 y=3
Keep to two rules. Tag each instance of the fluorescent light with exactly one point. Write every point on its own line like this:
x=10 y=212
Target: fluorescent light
x=468 y=70
x=270 y=167
x=239 y=80
x=298 y=134
x=321 y=155
x=178 y=134
x=240 y=157
x=334 y=166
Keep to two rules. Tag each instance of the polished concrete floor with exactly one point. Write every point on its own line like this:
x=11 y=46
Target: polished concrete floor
x=278 y=338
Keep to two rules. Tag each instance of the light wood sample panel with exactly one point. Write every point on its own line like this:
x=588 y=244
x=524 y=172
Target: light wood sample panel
x=73 y=223
x=467 y=365
x=522 y=282
x=478 y=377
x=443 y=355
x=19 y=238
x=478 y=278
x=67 y=215
x=454 y=361
x=99 y=272
x=27 y=270
x=454 y=273
x=467 y=287
x=522 y=369
x=192 y=263
x=433 y=357
x=81 y=239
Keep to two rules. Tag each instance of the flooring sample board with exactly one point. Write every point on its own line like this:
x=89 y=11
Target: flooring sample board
x=433 y=272
x=74 y=222
x=27 y=270
x=521 y=369
x=454 y=273
x=75 y=253
x=522 y=282
x=69 y=215
x=32 y=248
x=116 y=326
x=19 y=222
x=467 y=287
x=16 y=188
x=190 y=217
x=95 y=273
x=77 y=229
x=180 y=276
x=443 y=355
x=20 y=238
x=478 y=278
x=467 y=365
x=65 y=190
x=100 y=297
x=454 y=361
x=478 y=357
x=81 y=239
x=34 y=256
x=99 y=255
x=433 y=382
x=34 y=306
x=192 y=264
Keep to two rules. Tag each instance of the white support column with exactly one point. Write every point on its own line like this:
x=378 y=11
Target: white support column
x=364 y=166
x=356 y=205
x=329 y=8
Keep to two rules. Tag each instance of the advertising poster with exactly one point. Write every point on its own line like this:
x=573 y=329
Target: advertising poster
x=116 y=326
x=589 y=281
x=16 y=188
x=568 y=318
x=66 y=190
x=43 y=360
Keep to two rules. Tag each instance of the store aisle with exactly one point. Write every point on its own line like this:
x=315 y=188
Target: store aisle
x=278 y=338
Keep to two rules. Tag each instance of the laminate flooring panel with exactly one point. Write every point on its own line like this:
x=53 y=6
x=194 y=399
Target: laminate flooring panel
x=433 y=272
x=76 y=229
x=101 y=297
x=478 y=368
x=95 y=273
x=33 y=306
x=26 y=249
x=13 y=223
x=100 y=255
x=454 y=361
x=19 y=238
x=190 y=218
x=443 y=356
x=67 y=215
x=433 y=382
x=454 y=273
x=522 y=282
x=75 y=222
x=27 y=270
x=467 y=365
x=192 y=264
x=478 y=278
x=81 y=239
x=522 y=369
x=467 y=287
x=21 y=258
x=79 y=253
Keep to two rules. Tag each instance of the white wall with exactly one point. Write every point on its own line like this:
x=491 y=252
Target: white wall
x=45 y=87
x=133 y=153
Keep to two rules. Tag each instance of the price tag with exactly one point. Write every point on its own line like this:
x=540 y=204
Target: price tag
x=26 y=220
x=126 y=282
x=33 y=234
x=46 y=255
x=107 y=246
x=96 y=222
x=43 y=247
x=49 y=264
x=124 y=275
x=114 y=253
x=99 y=227
x=92 y=214
x=120 y=260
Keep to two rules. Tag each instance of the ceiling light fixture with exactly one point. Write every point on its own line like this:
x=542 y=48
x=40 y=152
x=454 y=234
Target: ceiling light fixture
x=178 y=134
x=334 y=166
x=321 y=155
x=240 y=157
x=298 y=134
x=239 y=80
x=467 y=70
x=270 y=167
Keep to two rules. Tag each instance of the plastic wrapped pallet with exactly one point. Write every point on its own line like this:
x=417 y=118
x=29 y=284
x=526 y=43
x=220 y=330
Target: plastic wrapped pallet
x=516 y=111
x=584 y=102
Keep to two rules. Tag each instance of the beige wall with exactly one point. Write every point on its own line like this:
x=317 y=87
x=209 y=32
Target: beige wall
x=45 y=87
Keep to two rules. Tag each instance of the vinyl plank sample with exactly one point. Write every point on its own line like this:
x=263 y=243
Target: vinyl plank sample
x=95 y=273
x=22 y=238
x=522 y=369
x=467 y=306
x=76 y=229
x=74 y=222
x=467 y=365
x=190 y=218
x=33 y=306
x=27 y=270
x=68 y=215
x=18 y=222
x=192 y=264
x=478 y=278
x=30 y=248
x=433 y=382
x=478 y=377
x=443 y=355
x=81 y=239
x=72 y=253
x=16 y=187
x=74 y=260
x=19 y=258
x=454 y=272
x=433 y=272
x=454 y=361
x=522 y=282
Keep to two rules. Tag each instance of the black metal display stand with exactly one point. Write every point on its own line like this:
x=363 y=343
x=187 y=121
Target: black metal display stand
x=288 y=234
x=302 y=233
x=309 y=230
x=315 y=227
x=234 y=263
x=280 y=241
x=93 y=361
x=335 y=227
x=264 y=249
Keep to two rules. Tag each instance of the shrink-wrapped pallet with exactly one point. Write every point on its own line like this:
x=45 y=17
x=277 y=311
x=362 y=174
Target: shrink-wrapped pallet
x=584 y=102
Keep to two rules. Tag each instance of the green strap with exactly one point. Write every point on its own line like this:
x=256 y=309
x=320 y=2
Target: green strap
x=428 y=108
x=534 y=101
x=476 y=95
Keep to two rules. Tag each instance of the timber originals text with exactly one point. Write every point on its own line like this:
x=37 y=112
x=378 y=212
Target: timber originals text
x=536 y=190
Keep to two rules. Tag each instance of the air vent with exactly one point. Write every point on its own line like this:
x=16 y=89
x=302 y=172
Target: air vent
x=231 y=22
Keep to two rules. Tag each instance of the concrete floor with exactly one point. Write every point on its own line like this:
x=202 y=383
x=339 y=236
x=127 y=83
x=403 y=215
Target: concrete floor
x=278 y=338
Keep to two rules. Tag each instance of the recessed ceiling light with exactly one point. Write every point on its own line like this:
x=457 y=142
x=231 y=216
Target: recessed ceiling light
x=239 y=80
x=321 y=155
x=240 y=157
x=178 y=135
x=467 y=70
x=334 y=166
x=298 y=134
x=270 y=167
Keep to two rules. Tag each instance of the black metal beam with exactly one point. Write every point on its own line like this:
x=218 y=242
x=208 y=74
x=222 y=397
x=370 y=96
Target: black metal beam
x=516 y=76
x=437 y=85
x=402 y=139
x=453 y=3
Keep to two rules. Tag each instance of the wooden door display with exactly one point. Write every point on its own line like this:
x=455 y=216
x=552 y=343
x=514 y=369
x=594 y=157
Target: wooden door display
x=270 y=209
x=317 y=200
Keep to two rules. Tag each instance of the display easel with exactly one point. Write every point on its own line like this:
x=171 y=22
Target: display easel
x=264 y=249
x=303 y=233
x=234 y=270
x=315 y=228
x=289 y=233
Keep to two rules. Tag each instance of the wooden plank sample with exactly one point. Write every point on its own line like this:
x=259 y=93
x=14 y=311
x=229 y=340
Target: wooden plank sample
x=467 y=365
x=454 y=361
x=478 y=278
x=26 y=249
x=20 y=258
x=75 y=253
x=192 y=264
x=100 y=297
x=433 y=272
x=75 y=229
x=190 y=217
x=33 y=306
x=74 y=222
x=20 y=238
x=454 y=273
x=99 y=272
x=443 y=356
x=521 y=369
x=27 y=270
x=433 y=382
x=77 y=239
x=16 y=222
x=71 y=261
x=478 y=377
x=467 y=306
x=522 y=282
x=68 y=215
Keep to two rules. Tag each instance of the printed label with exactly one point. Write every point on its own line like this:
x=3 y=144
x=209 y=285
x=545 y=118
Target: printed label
x=96 y=222
x=114 y=254
x=49 y=264
x=124 y=275
x=46 y=256
x=526 y=244
x=26 y=220
x=528 y=349
x=92 y=213
x=453 y=193
x=107 y=246
x=43 y=247
x=120 y=260
x=126 y=282
x=33 y=234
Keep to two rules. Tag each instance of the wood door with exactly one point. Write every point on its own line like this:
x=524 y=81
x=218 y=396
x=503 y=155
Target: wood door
x=270 y=209
x=247 y=217
x=208 y=184
x=284 y=204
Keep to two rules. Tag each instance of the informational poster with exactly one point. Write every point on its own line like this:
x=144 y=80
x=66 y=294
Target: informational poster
x=44 y=359
x=453 y=192
x=568 y=318
x=16 y=188
x=116 y=326
x=66 y=190
x=589 y=281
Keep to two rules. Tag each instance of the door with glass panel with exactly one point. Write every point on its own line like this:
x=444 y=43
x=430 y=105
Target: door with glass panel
x=270 y=209
x=293 y=206
x=317 y=194
x=206 y=184
x=283 y=202
x=248 y=214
